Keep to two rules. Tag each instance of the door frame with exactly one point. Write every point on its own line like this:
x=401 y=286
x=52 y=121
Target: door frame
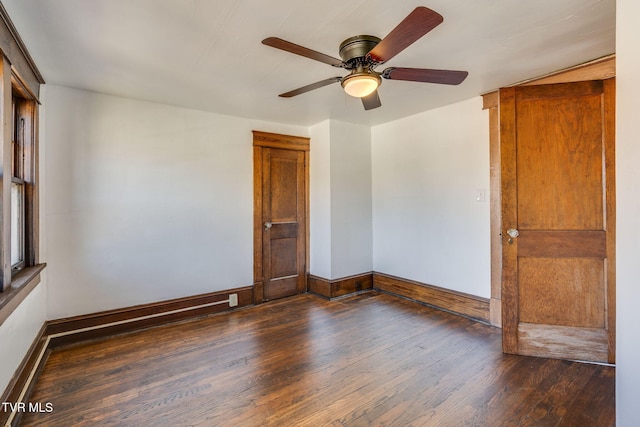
x=263 y=140
x=598 y=69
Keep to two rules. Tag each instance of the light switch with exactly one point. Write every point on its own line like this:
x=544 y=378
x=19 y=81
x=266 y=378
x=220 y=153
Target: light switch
x=480 y=195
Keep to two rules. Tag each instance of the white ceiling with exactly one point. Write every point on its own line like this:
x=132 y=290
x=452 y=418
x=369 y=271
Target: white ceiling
x=207 y=55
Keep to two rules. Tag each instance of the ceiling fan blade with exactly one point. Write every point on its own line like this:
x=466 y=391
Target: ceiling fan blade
x=310 y=87
x=447 y=77
x=302 y=51
x=371 y=101
x=415 y=25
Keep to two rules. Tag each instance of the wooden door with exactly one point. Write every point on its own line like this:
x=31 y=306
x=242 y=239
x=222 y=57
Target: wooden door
x=558 y=220
x=280 y=215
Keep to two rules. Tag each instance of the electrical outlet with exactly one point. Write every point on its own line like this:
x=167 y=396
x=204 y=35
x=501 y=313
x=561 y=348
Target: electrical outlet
x=233 y=300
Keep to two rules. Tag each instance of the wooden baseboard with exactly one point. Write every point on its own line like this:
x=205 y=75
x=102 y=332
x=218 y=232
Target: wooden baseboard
x=107 y=323
x=21 y=384
x=456 y=302
x=445 y=299
x=340 y=287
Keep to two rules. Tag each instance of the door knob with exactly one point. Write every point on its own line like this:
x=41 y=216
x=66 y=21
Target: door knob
x=267 y=225
x=513 y=233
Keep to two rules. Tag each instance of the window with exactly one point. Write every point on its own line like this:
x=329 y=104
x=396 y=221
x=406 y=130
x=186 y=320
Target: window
x=17 y=188
x=22 y=197
x=19 y=202
x=20 y=83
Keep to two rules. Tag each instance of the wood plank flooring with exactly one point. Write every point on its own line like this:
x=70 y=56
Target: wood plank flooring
x=366 y=360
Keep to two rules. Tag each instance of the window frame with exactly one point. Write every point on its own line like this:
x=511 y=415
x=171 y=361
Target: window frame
x=19 y=77
x=19 y=149
x=20 y=263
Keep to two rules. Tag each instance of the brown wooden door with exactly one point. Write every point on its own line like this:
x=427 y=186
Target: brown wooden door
x=558 y=219
x=280 y=219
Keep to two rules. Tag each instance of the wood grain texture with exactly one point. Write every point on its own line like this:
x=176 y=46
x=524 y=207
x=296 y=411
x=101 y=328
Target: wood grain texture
x=447 y=77
x=6 y=152
x=563 y=341
x=609 y=131
x=319 y=286
x=490 y=100
x=559 y=184
x=340 y=287
x=258 y=267
x=602 y=68
x=598 y=69
x=296 y=49
x=307 y=210
x=276 y=140
x=575 y=284
x=281 y=187
x=559 y=91
x=310 y=87
x=456 y=302
x=560 y=173
x=418 y=23
x=495 y=203
x=284 y=208
x=495 y=312
x=563 y=244
x=28 y=110
x=509 y=215
x=372 y=359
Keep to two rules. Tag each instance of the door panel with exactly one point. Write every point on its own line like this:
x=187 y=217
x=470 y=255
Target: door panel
x=557 y=150
x=280 y=205
x=282 y=185
x=283 y=258
x=563 y=342
x=553 y=177
x=581 y=295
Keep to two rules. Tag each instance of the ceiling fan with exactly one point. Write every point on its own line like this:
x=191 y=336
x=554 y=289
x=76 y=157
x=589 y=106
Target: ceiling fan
x=362 y=54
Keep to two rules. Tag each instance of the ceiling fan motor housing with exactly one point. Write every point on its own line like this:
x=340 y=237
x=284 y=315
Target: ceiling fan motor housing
x=354 y=49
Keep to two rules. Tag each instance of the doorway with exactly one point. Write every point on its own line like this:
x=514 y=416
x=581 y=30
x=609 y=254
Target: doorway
x=281 y=200
x=558 y=220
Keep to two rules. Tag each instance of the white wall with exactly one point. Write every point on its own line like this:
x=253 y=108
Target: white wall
x=18 y=332
x=427 y=224
x=351 y=216
x=320 y=200
x=341 y=218
x=628 y=213
x=144 y=202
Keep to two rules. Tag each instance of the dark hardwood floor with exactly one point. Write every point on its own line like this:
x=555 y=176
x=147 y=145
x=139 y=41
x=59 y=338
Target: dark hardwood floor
x=366 y=360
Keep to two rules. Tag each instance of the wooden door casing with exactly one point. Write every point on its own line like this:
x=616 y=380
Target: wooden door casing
x=558 y=191
x=280 y=215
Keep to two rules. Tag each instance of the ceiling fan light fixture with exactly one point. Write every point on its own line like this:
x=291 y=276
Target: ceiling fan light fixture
x=361 y=84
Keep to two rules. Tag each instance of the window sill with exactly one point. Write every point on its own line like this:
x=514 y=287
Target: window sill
x=21 y=285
